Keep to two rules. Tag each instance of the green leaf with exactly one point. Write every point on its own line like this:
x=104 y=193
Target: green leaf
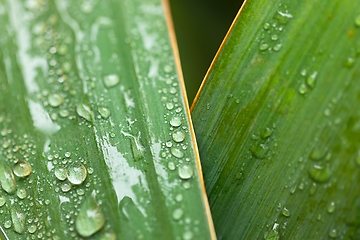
x=95 y=134
x=278 y=122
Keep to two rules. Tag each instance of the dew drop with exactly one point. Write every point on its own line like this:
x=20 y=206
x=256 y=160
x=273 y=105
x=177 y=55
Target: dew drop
x=111 y=80
x=7 y=179
x=186 y=185
x=176 y=152
x=185 y=172
x=267 y=26
x=188 y=235
x=319 y=173
x=171 y=166
x=317 y=153
x=21 y=193
x=104 y=112
x=273 y=234
x=349 y=62
x=274 y=37
x=177 y=214
x=84 y=111
x=357 y=21
x=331 y=207
x=277 y=47
x=32 y=228
x=18 y=220
x=266 y=133
x=303 y=72
x=312 y=189
x=22 y=169
x=259 y=150
x=2 y=201
x=76 y=173
x=169 y=106
x=178 y=136
x=303 y=89
x=61 y=173
x=90 y=218
x=310 y=81
x=65 y=187
x=333 y=233
x=285 y=212
x=7 y=224
x=179 y=197
x=64 y=113
x=175 y=121
x=264 y=46
x=55 y=100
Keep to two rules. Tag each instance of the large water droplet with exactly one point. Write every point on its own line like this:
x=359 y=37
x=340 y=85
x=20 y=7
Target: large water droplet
x=18 y=219
x=22 y=169
x=90 y=218
x=61 y=173
x=7 y=179
x=178 y=136
x=84 y=111
x=277 y=47
x=319 y=173
x=177 y=214
x=76 y=173
x=111 y=80
x=55 y=100
x=177 y=152
x=185 y=172
x=175 y=121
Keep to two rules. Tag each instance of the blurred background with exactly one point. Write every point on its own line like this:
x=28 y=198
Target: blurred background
x=200 y=27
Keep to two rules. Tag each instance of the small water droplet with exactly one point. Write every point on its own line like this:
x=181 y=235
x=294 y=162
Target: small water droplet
x=21 y=193
x=303 y=72
x=61 y=173
x=310 y=81
x=312 y=189
x=357 y=21
x=32 y=228
x=76 y=173
x=176 y=152
x=188 y=235
x=177 y=214
x=266 y=133
x=327 y=112
x=111 y=80
x=7 y=179
x=285 y=212
x=349 y=62
x=169 y=106
x=186 y=185
x=319 y=173
x=264 y=46
x=277 y=47
x=84 y=111
x=331 y=207
x=273 y=234
x=90 y=218
x=333 y=233
x=267 y=26
x=22 y=169
x=259 y=150
x=175 y=121
x=274 y=37
x=104 y=112
x=64 y=113
x=55 y=100
x=18 y=219
x=185 y=172
x=65 y=187
x=171 y=166
x=318 y=153
x=303 y=89
x=178 y=136
x=7 y=224
x=2 y=201
x=179 y=197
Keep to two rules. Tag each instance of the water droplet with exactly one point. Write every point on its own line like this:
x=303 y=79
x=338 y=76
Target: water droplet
x=22 y=169
x=178 y=136
x=7 y=179
x=7 y=224
x=318 y=153
x=303 y=72
x=61 y=173
x=179 y=197
x=64 y=113
x=303 y=89
x=175 y=121
x=357 y=21
x=312 y=189
x=310 y=81
x=283 y=17
x=273 y=234
x=111 y=80
x=76 y=173
x=32 y=228
x=349 y=62
x=266 y=133
x=177 y=214
x=18 y=219
x=186 y=185
x=285 y=212
x=277 y=47
x=169 y=106
x=104 y=112
x=2 y=201
x=264 y=46
x=185 y=172
x=259 y=150
x=55 y=100
x=84 y=111
x=267 y=26
x=333 y=233
x=331 y=207
x=65 y=187
x=80 y=192
x=21 y=193
x=90 y=218
x=188 y=235
x=176 y=152
x=171 y=166
x=319 y=173
x=274 y=37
